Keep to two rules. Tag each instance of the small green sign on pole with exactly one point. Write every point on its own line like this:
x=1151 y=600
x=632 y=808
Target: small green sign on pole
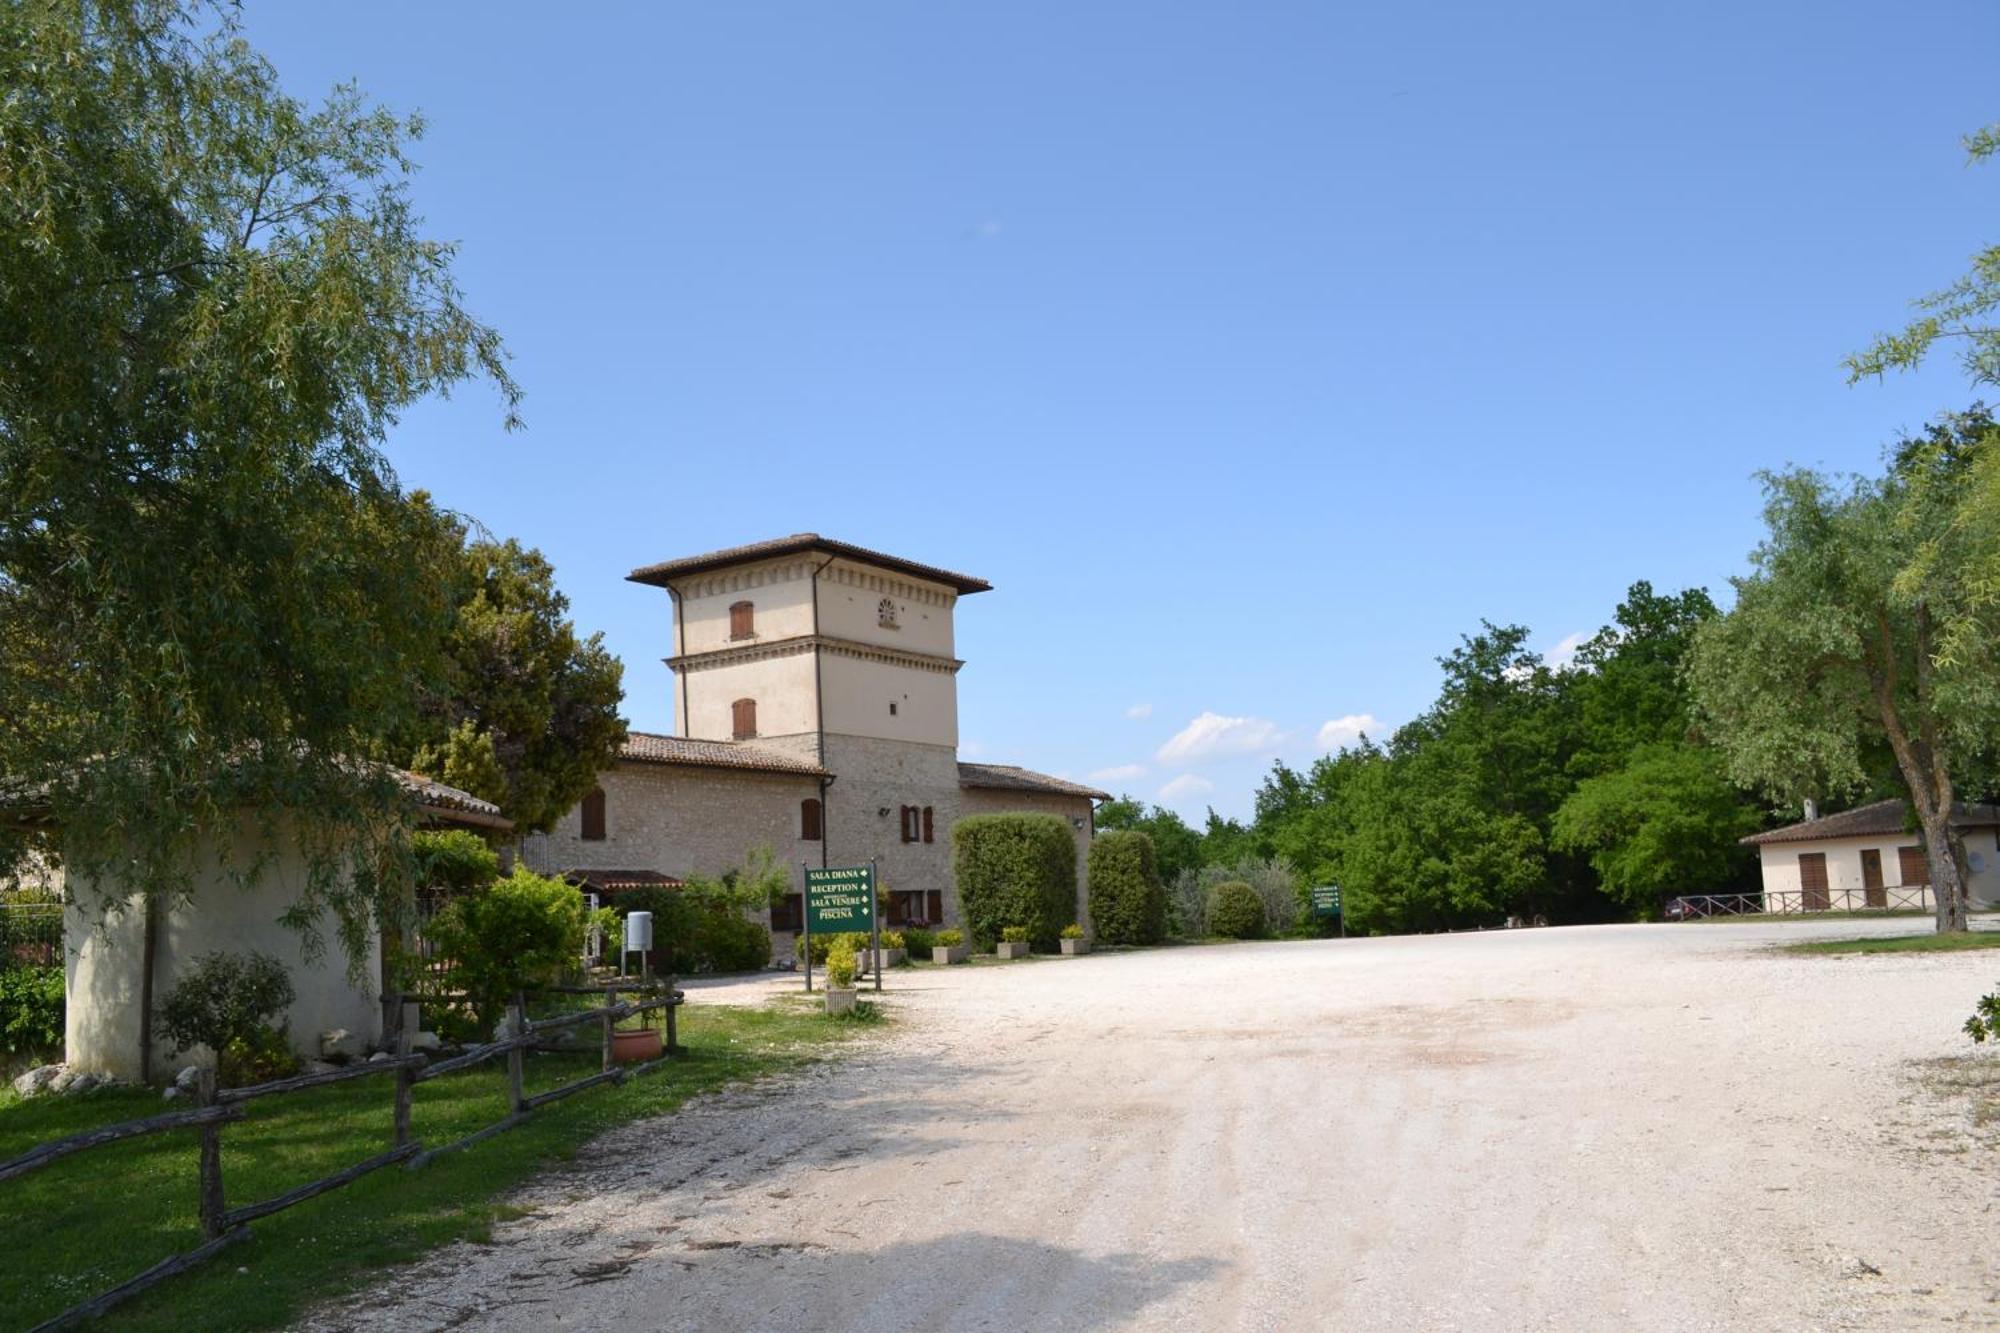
x=839 y=899
x=1326 y=903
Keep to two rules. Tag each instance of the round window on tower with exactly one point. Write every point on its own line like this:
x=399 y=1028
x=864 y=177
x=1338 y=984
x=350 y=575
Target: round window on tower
x=885 y=613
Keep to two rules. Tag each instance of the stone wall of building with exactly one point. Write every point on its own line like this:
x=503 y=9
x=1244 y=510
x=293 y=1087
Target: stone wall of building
x=682 y=820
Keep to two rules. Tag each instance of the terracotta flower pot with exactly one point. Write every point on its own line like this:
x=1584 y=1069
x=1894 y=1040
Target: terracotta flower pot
x=631 y=1046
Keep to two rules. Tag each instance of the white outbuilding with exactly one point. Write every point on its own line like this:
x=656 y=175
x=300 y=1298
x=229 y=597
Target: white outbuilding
x=1870 y=857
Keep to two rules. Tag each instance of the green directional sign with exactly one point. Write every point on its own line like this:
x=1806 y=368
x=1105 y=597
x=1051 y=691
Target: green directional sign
x=841 y=898
x=1326 y=900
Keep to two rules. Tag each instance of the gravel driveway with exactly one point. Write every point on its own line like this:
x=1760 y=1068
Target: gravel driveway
x=1651 y=1127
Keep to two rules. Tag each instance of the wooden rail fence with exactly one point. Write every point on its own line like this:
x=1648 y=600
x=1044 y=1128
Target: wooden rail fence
x=215 y=1107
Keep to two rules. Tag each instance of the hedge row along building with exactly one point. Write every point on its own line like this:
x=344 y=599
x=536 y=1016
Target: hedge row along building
x=815 y=698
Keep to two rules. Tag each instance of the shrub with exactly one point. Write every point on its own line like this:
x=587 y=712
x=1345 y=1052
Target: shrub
x=1014 y=934
x=31 y=1009
x=453 y=860
x=229 y=1002
x=732 y=943
x=1985 y=1020
x=522 y=931
x=949 y=939
x=919 y=941
x=1072 y=931
x=840 y=963
x=1235 y=910
x=823 y=944
x=1128 y=904
x=1015 y=870
x=894 y=939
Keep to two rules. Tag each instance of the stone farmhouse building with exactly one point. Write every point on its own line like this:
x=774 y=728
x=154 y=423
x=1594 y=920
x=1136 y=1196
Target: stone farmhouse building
x=815 y=695
x=1868 y=857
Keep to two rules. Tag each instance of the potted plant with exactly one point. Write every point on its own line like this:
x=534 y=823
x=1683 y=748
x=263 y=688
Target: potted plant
x=948 y=946
x=893 y=952
x=840 y=968
x=1073 y=941
x=631 y=1046
x=1013 y=942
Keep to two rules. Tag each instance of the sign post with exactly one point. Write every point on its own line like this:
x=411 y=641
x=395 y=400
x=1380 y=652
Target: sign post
x=1326 y=902
x=805 y=925
x=875 y=926
x=841 y=898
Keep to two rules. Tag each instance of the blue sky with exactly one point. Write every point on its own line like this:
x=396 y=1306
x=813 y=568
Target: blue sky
x=1254 y=352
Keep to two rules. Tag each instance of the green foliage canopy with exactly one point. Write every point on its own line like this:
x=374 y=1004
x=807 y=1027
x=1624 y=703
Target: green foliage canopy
x=213 y=595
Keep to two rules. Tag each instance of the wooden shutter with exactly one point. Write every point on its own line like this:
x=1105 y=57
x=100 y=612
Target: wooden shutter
x=935 y=912
x=907 y=815
x=1872 y=891
x=790 y=914
x=744 y=717
x=743 y=621
x=1915 y=870
x=1813 y=896
x=809 y=820
x=927 y=824
x=593 y=816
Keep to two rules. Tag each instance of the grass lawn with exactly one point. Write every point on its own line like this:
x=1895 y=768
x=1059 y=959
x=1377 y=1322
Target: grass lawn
x=88 y=1222
x=1933 y=943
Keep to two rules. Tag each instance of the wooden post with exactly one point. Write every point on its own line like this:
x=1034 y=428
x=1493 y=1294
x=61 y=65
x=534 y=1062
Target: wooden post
x=610 y=1004
x=517 y=1027
x=406 y=1081
x=211 y=1159
x=673 y=1027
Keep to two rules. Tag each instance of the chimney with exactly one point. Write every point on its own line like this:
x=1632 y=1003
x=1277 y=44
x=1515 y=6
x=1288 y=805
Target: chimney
x=1812 y=809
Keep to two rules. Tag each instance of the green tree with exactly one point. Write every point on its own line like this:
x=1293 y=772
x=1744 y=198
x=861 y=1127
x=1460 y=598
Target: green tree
x=528 y=716
x=1667 y=821
x=1965 y=314
x=217 y=299
x=1837 y=642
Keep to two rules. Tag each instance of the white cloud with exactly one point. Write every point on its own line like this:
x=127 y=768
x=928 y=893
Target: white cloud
x=1212 y=736
x=1563 y=656
x=1186 y=787
x=1119 y=773
x=1139 y=712
x=1342 y=732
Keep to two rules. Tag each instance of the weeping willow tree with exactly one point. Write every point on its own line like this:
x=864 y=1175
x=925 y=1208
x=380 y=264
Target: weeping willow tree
x=214 y=596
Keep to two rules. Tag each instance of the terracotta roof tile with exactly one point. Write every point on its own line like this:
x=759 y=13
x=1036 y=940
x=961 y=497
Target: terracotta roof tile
x=617 y=881
x=799 y=543
x=1883 y=819
x=645 y=747
x=1006 y=777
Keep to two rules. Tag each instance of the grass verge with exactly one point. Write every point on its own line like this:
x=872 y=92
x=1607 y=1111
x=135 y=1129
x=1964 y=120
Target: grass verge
x=1953 y=943
x=88 y=1222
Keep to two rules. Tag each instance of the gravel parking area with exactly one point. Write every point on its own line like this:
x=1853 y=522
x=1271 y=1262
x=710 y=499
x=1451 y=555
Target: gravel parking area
x=1651 y=1127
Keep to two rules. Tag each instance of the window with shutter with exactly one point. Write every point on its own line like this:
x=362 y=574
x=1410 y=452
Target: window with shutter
x=743 y=621
x=927 y=824
x=593 y=816
x=809 y=820
x=744 y=716
x=1915 y=870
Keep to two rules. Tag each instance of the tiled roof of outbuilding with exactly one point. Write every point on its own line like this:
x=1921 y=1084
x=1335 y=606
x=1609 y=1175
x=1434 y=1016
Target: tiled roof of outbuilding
x=799 y=543
x=617 y=881
x=647 y=747
x=1006 y=777
x=1883 y=819
x=437 y=796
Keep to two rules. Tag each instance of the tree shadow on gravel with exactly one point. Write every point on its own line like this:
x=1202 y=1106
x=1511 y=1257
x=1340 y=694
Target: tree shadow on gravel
x=968 y=1280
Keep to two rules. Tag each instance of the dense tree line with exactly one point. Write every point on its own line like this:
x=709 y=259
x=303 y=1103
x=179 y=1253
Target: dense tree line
x=1576 y=792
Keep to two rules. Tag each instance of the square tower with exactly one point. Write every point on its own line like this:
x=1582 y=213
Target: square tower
x=791 y=641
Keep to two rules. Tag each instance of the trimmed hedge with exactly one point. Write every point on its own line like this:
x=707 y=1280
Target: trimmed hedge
x=1128 y=903
x=1015 y=870
x=1235 y=910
